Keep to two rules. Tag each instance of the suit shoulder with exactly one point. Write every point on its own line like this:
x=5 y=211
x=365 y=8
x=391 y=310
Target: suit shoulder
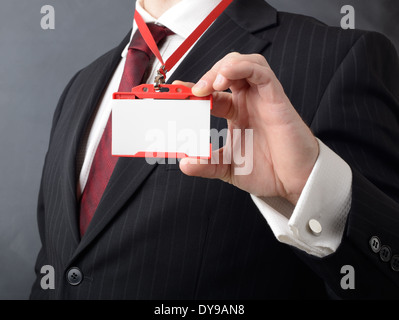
x=101 y=62
x=307 y=36
x=316 y=30
x=106 y=60
x=320 y=29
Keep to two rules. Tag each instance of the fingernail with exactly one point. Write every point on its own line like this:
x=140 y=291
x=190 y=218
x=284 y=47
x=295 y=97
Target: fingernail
x=219 y=79
x=200 y=85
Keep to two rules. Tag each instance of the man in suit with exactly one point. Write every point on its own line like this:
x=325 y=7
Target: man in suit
x=323 y=194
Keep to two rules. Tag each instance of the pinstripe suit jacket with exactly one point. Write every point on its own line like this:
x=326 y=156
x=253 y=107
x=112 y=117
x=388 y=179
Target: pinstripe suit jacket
x=158 y=234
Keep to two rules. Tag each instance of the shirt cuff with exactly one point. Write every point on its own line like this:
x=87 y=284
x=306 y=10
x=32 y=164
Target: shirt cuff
x=325 y=200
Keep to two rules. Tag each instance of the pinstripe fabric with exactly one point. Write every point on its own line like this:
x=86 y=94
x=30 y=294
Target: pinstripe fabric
x=158 y=234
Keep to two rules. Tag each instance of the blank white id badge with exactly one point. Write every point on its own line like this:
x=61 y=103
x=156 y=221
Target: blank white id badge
x=151 y=124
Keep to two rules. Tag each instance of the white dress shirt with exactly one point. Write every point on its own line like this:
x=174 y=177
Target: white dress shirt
x=326 y=197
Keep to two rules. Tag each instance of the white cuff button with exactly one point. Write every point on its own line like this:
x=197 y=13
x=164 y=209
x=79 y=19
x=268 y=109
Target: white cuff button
x=315 y=227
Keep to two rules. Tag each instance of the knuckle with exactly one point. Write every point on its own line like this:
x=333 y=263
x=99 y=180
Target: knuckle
x=232 y=57
x=269 y=72
x=232 y=63
x=261 y=59
x=233 y=54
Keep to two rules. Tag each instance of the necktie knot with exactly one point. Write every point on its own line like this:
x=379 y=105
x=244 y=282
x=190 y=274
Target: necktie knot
x=158 y=32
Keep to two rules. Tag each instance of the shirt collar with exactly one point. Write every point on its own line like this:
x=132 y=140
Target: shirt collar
x=183 y=18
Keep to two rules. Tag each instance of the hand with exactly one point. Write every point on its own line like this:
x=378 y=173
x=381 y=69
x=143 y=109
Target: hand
x=284 y=149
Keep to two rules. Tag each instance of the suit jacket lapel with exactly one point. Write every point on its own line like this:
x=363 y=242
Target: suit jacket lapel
x=231 y=32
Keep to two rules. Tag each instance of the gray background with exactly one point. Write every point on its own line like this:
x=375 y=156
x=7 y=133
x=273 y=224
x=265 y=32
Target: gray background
x=36 y=65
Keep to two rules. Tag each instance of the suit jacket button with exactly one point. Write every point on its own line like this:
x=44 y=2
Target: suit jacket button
x=375 y=244
x=395 y=263
x=385 y=253
x=74 y=276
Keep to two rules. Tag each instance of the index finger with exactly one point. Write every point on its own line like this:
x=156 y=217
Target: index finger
x=205 y=85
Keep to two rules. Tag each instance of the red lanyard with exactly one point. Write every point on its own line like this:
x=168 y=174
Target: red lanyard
x=184 y=47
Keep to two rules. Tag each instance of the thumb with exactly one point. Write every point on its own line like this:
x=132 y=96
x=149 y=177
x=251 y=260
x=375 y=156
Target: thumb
x=214 y=168
x=183 y=83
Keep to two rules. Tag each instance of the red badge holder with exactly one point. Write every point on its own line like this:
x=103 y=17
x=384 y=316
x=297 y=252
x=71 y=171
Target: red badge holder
x=159 y=97
x=166 y=91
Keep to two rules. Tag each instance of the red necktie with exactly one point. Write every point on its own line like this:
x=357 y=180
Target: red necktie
x=137 y=61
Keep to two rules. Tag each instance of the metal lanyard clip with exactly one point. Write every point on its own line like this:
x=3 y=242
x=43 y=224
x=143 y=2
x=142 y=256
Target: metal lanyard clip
x=160 y=78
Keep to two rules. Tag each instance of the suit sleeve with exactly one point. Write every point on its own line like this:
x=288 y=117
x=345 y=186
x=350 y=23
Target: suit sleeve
x=37 y=293
x=358 y=118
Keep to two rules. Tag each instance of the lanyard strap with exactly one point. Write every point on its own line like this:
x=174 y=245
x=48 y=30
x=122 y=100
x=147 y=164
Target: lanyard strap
x=184 y=47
